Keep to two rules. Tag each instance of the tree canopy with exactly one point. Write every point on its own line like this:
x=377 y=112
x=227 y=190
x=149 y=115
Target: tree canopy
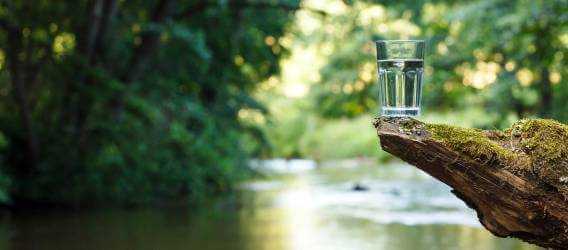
x=506 y=56
x=130 y=101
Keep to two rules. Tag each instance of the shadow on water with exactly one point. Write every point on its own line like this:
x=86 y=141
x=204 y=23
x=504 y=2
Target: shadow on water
x=312 y=208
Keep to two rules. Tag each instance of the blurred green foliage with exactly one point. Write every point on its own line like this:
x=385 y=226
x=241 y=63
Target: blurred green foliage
x=488 y=64
x=130 y=101
x=505 y=56
x=142 y=101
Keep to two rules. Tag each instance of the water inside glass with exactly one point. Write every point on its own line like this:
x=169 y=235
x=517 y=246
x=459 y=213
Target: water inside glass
x=400 y=86
x=400 y=64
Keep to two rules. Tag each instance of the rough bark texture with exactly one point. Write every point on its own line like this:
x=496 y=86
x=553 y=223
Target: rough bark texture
x=516 y=180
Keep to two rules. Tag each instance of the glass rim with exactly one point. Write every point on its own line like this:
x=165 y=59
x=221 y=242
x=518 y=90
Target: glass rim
x=401 y=41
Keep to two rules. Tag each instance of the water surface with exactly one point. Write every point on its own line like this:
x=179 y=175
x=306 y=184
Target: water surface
x=298 y=208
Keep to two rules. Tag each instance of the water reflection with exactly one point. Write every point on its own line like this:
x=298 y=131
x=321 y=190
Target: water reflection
x=310 y=209
x=403 y=209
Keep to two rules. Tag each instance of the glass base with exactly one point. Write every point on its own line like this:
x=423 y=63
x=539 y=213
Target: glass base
x=400 y=112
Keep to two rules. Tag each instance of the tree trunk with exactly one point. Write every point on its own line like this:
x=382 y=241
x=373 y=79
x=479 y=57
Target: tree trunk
x=516 y=180
x=150 y=41
x=101 y=16
x=543 y=57
x=545 y=93
x=17 y=79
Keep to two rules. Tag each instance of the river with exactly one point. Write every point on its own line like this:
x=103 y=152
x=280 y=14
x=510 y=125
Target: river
x=295 y=206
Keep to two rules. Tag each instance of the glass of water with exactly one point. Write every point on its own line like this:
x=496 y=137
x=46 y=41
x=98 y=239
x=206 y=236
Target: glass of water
x=400 y=64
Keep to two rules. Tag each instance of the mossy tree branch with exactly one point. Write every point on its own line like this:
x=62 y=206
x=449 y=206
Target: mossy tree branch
x=516 y=180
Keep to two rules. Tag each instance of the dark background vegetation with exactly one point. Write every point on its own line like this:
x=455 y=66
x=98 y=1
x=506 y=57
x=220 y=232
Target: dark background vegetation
x=130 y=102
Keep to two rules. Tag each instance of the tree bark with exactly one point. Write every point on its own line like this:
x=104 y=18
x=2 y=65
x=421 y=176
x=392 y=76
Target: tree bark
x=515 y=180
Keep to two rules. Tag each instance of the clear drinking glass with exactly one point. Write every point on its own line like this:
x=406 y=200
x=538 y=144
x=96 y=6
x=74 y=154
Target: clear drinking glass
x=400 y=64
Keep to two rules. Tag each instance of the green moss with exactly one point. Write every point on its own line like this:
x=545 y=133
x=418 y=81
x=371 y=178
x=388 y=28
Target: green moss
x=544 y=139
x=533 y=148
x=472 y=142
x=543 y=143
x=546 y=142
